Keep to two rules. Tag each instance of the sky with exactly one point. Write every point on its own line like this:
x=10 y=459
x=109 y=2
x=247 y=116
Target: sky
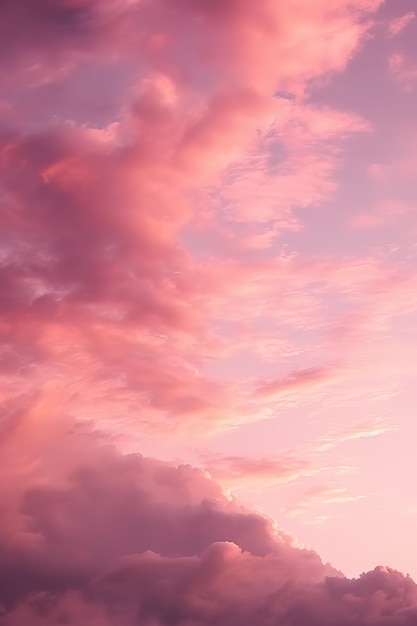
x=208 y=312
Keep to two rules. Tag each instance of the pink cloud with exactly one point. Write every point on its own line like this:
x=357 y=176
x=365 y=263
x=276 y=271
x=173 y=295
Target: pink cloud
x=94 y=215
x=90 y=534
x=398 y=24
x=374 y=428
x=403 y=70
x=240 y=41
x=296 y=380
x=386 y=213
x=312 y=505
x=242 y=472
x=71 y=506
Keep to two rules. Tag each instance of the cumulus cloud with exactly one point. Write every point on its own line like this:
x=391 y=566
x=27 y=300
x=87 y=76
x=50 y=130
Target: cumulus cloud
x=91 y=536
x=71 y=507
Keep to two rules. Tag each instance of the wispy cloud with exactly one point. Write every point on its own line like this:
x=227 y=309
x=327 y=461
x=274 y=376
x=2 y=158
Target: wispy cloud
x=398 y=24
x=403 y=70
x=317 y=499
x=373 y=428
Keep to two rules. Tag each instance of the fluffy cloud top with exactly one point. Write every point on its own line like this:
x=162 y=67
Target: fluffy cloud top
x=91 y=536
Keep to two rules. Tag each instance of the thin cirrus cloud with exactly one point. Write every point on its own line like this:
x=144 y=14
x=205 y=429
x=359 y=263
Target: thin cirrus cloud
x=319 y=497
x=177 y=272
x=298 y=379
x=241 y=472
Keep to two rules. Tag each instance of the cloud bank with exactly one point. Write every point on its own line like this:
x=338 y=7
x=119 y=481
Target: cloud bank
x=92 y=536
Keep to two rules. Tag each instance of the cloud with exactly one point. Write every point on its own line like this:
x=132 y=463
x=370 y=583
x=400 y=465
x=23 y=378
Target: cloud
x=398 y=24
x=119 y=126
x=319 y=497
x=403 y=70
x=373 y=428
x=89 y=535
x=291 y=165
x=237 y=472
x=60 y=32
x=297 y=380
x=72 y=507
x=380 y=216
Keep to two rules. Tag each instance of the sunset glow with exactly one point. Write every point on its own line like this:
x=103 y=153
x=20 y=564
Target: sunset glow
x=208 y=312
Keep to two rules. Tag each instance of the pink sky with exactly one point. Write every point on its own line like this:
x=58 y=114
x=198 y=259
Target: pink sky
x=208 y=312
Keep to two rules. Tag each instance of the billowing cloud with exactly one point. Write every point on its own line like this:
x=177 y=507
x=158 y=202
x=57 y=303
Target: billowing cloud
x=92 y=536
